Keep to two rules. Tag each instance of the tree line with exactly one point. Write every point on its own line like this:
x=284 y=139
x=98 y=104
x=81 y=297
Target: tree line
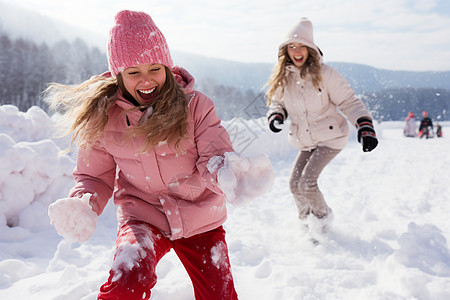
x=27 y=68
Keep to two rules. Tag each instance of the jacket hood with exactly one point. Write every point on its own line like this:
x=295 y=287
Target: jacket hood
x=184 y=78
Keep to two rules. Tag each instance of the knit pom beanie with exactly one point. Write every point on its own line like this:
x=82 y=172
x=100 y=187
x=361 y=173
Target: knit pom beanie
x=301 y=32
x=134 y=40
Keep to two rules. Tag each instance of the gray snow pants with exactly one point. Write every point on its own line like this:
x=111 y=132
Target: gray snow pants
x=303 y=182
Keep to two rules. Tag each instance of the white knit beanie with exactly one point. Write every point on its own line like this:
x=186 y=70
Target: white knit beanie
x=134 y=40
x=301 y=32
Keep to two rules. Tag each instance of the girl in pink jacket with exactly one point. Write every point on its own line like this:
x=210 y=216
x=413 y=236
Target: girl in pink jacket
x=316 y=98
x=145 y=136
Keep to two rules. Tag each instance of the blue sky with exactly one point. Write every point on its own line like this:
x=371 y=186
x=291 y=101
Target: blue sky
x=388 y=34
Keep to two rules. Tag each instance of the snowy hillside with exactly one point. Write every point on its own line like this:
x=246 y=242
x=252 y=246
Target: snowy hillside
x=389 y=239
x=20 y=22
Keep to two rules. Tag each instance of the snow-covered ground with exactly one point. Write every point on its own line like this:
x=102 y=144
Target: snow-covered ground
x=388 y=240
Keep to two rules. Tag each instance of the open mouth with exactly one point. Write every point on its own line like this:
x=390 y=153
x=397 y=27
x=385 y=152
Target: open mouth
x=298 y=58
x=147 y=95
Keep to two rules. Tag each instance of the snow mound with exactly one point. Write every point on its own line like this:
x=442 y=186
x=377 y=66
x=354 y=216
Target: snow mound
x=32 y=173
x=425 y=248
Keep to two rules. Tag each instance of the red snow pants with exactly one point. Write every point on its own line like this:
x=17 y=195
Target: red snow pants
x=139 y=248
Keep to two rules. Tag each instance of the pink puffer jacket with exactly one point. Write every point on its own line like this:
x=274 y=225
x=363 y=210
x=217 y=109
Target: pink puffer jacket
x=176 y=193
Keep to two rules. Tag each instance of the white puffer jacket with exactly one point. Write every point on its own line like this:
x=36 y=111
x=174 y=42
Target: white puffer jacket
x=315 y=115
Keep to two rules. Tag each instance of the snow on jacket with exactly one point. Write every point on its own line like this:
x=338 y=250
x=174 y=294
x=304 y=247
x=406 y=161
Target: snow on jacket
x=174 y=192
x=314 y=115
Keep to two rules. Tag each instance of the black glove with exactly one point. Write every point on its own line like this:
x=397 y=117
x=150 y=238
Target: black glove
x=275 y=118
x=366 y=134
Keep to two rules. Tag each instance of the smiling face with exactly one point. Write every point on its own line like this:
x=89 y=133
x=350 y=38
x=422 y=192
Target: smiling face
x=143 y=82
x=298 y=53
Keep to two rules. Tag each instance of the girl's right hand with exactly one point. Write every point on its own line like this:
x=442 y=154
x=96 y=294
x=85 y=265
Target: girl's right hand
x=73 y=218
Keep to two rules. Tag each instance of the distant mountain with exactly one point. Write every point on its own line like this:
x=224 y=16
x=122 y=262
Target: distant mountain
x=244 y=76
x=19 y=22
x=253 y=76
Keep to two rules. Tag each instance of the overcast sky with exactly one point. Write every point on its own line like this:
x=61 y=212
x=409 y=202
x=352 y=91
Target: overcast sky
x=388 y=34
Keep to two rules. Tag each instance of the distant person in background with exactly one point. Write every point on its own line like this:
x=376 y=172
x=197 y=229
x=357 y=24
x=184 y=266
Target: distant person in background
x=426 y=126
x=438 y=130
x=310 y=93
x=410 y=125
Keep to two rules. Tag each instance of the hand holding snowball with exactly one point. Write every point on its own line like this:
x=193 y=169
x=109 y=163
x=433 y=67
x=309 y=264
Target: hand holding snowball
x=245 y=178
x=73 y=218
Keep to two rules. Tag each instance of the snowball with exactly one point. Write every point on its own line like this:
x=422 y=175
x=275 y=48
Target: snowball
x=5 y=141
x=7 y=111
x=33 y=125
x=9 y=157
x=38 y=114
x=73 y=218
x=243 y=179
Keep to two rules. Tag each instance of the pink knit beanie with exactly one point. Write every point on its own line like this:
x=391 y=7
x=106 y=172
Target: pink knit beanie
x=134 y=40
x=301 y=32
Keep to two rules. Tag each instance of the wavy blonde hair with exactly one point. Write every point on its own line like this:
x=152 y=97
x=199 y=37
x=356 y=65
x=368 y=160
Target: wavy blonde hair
x=278 y=79
x=85 y=107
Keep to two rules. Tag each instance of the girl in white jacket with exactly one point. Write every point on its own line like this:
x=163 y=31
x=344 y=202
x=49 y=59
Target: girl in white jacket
x=316 y=98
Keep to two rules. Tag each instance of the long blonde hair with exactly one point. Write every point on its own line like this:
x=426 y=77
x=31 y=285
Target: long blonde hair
x=85 y=107
x=278 y=79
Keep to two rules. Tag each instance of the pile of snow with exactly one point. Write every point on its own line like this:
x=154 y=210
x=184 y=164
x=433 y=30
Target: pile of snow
x=389 y=239
x=32 y=173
